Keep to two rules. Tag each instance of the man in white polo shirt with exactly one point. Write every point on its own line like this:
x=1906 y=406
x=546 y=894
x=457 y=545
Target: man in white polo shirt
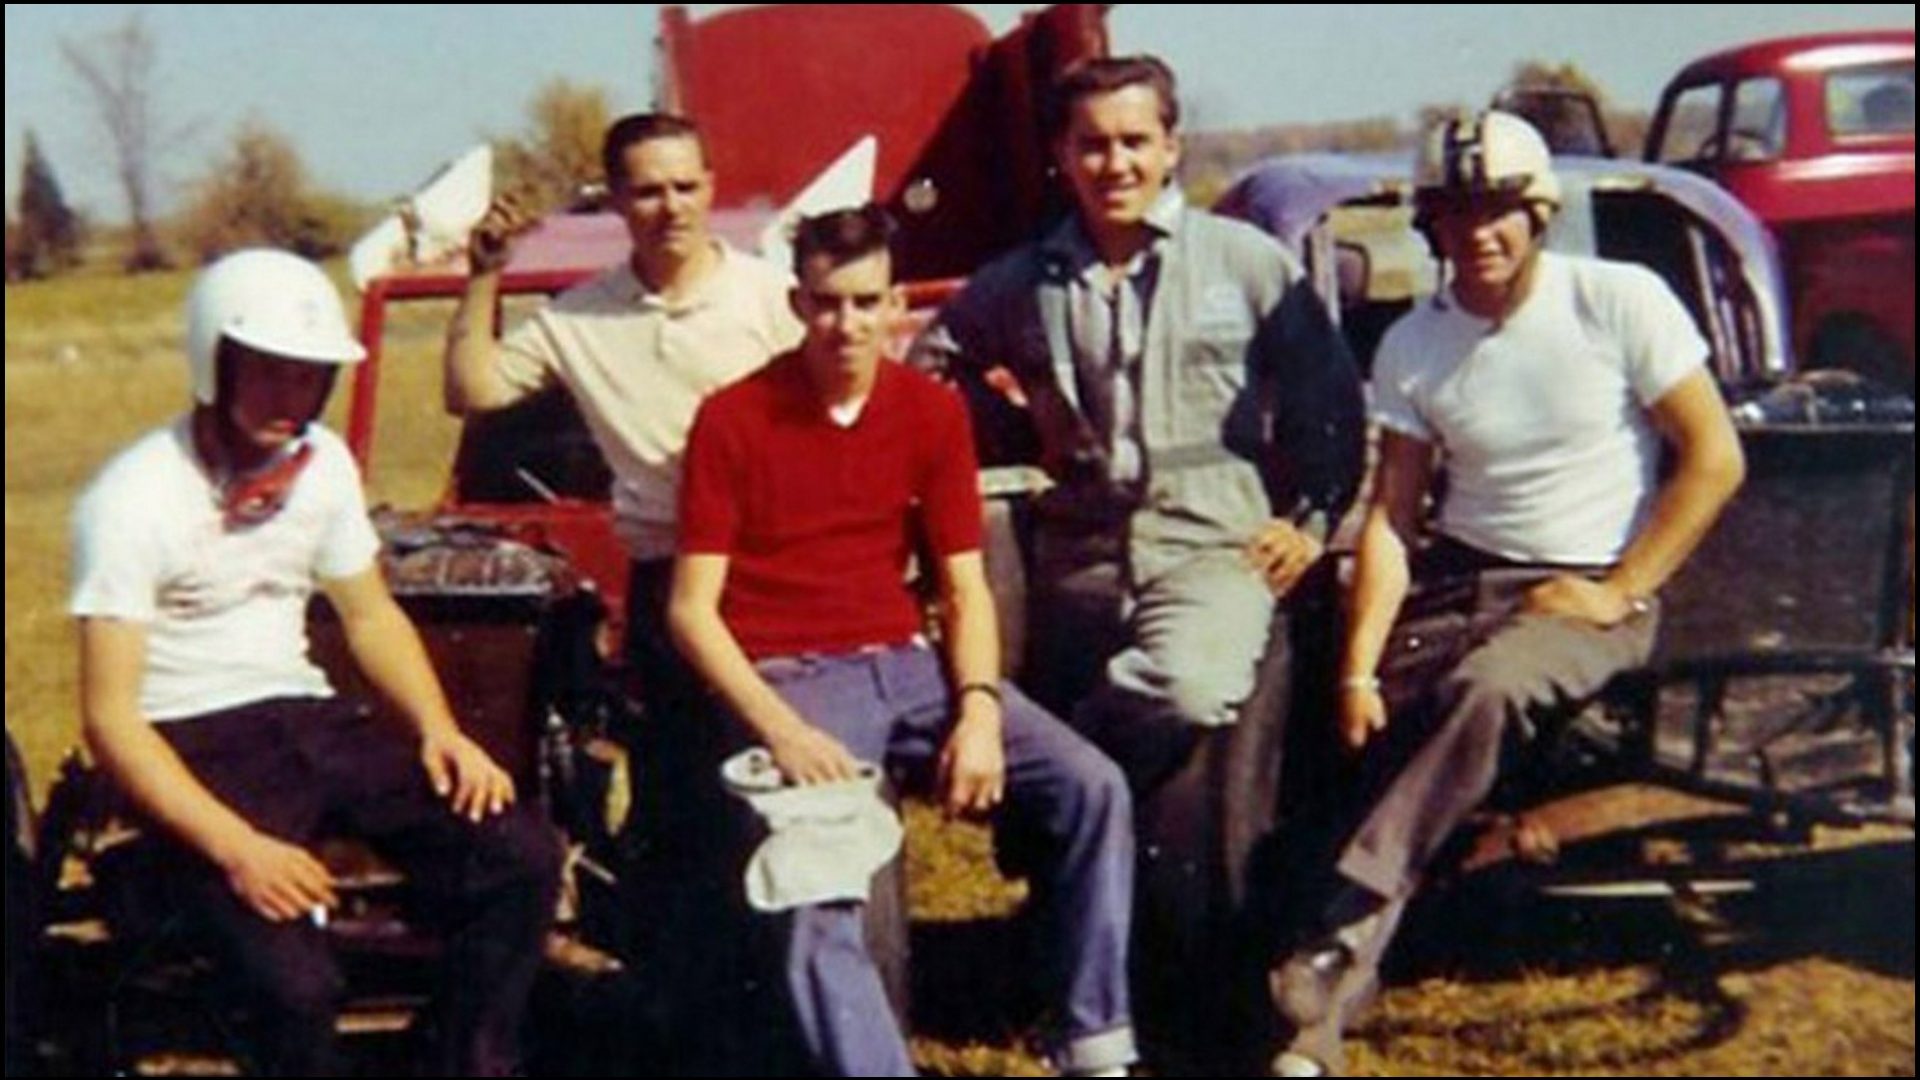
x=639 y=347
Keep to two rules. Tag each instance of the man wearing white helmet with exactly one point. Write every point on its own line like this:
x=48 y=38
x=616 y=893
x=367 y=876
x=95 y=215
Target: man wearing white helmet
x=195 y=553
x=1543 y=387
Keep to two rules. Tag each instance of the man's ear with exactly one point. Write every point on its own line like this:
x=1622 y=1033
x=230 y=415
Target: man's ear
x=895 y=315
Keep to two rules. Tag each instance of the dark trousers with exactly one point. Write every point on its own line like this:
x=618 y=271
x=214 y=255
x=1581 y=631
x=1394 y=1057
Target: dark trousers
x=710 y=984
x=1472 y=683
x=298 y=768
x=683 y=739
x=21 y=922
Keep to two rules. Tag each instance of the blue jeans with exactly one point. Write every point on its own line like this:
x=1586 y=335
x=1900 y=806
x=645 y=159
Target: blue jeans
x=894 y=705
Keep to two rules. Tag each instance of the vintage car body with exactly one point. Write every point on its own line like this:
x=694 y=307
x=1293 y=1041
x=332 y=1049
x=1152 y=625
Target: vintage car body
x=1815 y=135
x=1350 y=219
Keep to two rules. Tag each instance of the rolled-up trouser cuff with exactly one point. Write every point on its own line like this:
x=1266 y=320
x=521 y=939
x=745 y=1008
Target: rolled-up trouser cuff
x=1083 y=1054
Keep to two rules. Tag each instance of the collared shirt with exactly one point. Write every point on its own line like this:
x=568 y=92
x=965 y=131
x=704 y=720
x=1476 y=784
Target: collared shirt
x=1107 y=324
x=638 y=366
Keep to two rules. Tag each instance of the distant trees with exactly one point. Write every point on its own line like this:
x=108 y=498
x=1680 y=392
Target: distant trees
x=117 y=68
x=1552 y=96
x=258 y=192
x=1556 y=97
x=555 y=162
x=1211 y=159
x=44 y=234
x=13 y=246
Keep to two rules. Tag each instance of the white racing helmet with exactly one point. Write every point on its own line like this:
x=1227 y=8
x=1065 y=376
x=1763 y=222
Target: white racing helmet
x=1491 y=154
x=268 y=300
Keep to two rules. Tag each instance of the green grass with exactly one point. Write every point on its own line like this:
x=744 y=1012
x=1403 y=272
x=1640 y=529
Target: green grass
x=93 y=360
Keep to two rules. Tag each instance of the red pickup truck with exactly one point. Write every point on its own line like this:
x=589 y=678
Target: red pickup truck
x=1815 y=135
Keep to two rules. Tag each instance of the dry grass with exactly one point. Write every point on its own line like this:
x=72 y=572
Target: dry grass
x=92 y=361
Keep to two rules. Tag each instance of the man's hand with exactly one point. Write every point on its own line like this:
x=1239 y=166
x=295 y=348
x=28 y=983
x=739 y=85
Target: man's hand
x=1363 y=715
x=279 y=881
x=465 y=776
x=1574 y=597
x=491 y=242
x=1282 y=554
x=973 y=764
x=808 y=755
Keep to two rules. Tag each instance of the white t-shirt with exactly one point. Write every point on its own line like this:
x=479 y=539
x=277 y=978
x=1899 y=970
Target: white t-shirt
x=225 y=609
x=638 y=368
x=1542 y=422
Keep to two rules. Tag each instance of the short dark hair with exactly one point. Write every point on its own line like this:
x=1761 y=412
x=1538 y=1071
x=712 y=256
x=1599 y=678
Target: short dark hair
x=1104 y=75
x=842 y=235
x=633 y=130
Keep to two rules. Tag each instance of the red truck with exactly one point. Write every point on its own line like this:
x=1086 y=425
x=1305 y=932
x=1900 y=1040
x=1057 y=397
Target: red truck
x=1815 y=135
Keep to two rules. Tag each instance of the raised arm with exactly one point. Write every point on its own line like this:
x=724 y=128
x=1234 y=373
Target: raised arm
x=472 y=382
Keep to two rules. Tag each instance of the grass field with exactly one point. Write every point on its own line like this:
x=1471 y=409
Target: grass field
x=1814 y=978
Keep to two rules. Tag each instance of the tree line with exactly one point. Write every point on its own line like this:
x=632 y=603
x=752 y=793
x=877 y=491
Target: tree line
x=256 y=189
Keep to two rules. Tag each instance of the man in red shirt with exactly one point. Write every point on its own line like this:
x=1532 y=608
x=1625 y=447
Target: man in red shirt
x=807 y=488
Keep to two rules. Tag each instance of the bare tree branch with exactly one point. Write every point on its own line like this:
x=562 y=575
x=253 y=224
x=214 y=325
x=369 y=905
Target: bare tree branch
x=117 y=68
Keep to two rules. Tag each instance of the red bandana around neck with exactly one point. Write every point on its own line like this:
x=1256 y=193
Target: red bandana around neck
x=253 y=498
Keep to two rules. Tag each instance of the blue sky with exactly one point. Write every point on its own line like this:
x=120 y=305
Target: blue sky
x=376 y=95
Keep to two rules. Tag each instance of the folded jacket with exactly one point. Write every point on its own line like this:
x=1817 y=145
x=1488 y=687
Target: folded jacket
x=825 y=841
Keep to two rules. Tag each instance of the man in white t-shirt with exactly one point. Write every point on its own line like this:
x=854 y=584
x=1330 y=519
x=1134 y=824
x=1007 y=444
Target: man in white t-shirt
x=1543 y=387
x=196 y=551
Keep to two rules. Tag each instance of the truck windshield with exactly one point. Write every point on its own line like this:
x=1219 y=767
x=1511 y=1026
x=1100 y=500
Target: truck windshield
x=1692 y=126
